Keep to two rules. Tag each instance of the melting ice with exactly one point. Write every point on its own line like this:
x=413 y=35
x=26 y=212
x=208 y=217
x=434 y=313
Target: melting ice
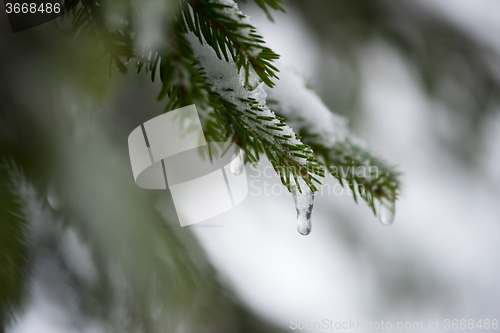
x=303 y=204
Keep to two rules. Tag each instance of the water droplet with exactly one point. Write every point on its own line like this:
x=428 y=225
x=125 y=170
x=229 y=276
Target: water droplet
x=386 y=212
x=303 y=204
x=238 y=164
x=53 y=198
x=253 y=80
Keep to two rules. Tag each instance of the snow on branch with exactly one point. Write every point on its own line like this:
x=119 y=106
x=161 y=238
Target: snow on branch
x=344 y=155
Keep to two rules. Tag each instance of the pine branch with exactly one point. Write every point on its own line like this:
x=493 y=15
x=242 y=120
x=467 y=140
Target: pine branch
x=366 y=175
x=229 y=32
x=231 y=113
x=14 y=261
x=88 y=22
x=267 y=5
x=349 y=162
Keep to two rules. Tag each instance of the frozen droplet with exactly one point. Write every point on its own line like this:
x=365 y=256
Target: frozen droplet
x=238 y=164
x=386 y=212
x=252 y=81
x=303 y=204
x=53 y=198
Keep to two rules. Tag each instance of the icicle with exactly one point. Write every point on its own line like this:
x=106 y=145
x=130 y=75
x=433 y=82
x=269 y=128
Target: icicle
x=303 y=204
x=238 y=164
x=386 y=212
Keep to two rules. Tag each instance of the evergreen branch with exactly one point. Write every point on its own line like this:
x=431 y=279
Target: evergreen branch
x=229 y=32
x=14 y=261
x=230 y=113
x=266 y=5
x=232 y=117
x=106 y=36
x=350 y=163
x=222 y=26
x=273 y=4
x=88 y=23
x=259 y=129
x=366 y=175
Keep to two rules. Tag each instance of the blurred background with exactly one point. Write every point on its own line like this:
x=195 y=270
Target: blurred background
x=83 y=249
